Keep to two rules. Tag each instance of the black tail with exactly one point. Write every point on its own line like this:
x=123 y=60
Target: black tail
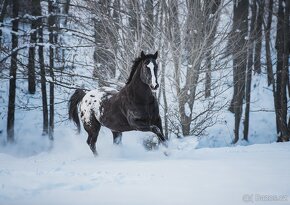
x=74 y=100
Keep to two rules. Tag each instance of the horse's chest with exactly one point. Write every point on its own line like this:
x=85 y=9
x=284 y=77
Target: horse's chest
x=143 y=112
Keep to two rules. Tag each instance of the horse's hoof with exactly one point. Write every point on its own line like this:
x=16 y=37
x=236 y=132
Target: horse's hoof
x=150 y=143
x=166 y=153
x=95 y=154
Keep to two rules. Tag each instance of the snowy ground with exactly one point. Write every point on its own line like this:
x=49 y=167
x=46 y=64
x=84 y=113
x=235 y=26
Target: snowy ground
x=67 y=173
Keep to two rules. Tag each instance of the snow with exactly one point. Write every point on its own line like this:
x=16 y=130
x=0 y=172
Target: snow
x=49 y=79
x=67 y=173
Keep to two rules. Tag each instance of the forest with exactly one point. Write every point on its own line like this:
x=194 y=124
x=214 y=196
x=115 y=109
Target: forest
x=206 y=49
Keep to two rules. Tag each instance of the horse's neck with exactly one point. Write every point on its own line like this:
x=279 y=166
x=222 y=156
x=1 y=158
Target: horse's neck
x=140 y=92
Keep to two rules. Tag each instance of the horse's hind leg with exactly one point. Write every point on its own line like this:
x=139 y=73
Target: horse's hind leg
x=93 y=133
x=117 y=137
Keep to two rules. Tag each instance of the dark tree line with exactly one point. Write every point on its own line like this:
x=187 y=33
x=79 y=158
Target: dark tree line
x=31 y=13
x=189 y=38
x=247 y=59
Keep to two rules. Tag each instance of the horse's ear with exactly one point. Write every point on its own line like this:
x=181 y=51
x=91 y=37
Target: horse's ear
x=156 y=55
x=142 y=54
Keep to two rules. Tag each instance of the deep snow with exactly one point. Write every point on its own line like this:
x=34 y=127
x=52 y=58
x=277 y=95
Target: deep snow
x=67 y=173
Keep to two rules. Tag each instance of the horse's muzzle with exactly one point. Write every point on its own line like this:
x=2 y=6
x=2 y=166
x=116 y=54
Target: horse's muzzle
x=154 y=87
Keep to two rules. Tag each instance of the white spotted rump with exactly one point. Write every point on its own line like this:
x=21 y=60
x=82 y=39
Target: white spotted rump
x=91 y=104
x=153 y=77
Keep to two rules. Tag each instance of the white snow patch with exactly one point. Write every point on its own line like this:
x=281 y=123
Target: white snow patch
x=49 y=79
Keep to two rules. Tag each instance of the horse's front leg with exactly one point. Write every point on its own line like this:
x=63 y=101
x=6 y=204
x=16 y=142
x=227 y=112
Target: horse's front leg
x=117 y=137
x=162 y=137
x=145 y=126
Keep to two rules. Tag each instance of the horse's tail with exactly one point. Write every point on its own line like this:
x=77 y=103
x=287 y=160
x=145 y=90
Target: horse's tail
x=74 y=100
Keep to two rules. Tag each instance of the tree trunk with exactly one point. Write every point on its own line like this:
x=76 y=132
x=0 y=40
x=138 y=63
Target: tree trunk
x=270 y=75
x=51 y=22
x=42 y=73
x=31 y=53
x=66 y=10
x=258 y=36
x=13 y=69
x=249 y=69
x=134 y=20
x=162 y=46
x=2 y=15
x=211 y=16
x=240 y=28
x=163 y=85
x=283 y=70
x=105 y=67
x=149 y=23
x=208 y=74
x=237 y=47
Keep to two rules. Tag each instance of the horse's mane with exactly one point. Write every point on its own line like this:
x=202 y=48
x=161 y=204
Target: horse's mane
x=134 y=68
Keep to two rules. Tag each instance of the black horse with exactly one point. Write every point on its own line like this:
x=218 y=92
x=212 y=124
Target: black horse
x=134 y=107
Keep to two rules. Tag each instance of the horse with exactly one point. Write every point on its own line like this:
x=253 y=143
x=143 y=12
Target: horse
x=134 y=107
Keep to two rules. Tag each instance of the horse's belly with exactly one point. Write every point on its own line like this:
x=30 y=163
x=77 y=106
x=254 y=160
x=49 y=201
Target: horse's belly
x=114 y=120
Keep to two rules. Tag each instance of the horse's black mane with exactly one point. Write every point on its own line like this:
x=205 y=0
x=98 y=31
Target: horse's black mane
x=134 y=68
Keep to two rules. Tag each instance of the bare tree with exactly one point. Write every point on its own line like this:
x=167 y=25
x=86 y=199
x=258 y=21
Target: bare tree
x=238 y=44
x=2 y=15
x=267 y=28
x=148 y=31
x=13 y=69
x=211 y=27
x=31 y=57
x=282 y=69
x=51 y=23
x=42 y=69
x=258 y=36
x=251 y=41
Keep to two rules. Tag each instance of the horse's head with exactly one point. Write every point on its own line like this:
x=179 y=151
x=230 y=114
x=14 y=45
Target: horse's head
x=149 y=69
